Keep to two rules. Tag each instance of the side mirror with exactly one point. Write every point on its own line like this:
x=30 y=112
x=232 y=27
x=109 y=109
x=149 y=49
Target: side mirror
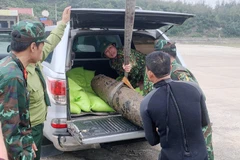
x=9 y=48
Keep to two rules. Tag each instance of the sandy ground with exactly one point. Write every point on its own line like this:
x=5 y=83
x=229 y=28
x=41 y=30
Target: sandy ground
x=216 y=68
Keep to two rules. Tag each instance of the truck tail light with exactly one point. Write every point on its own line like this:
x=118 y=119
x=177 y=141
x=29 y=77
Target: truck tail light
x=57 y=90
x=59 y=123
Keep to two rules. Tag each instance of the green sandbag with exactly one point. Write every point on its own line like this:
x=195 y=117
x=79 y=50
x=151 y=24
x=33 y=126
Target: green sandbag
x=83 y=101
x=74 y=108
x=98 y=105
x=78 y=96
x=88 y=89
x=88 y=74
x=73 y=85
x=77 y=75
x=82 y=77
x=74 y=89
x=139 y=91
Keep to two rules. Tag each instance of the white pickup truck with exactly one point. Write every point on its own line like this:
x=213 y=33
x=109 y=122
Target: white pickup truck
x=80 y=47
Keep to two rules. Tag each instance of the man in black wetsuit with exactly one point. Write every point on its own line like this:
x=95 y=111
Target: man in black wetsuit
x=173 y=113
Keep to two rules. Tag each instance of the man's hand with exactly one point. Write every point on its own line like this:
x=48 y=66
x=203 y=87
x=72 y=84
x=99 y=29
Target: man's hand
x=127 y=68
x=34 y=148
x=66 y=14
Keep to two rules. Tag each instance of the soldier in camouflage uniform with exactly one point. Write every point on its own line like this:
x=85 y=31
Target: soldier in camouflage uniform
x=27 y=42
x=179 y=72
x=136 y=68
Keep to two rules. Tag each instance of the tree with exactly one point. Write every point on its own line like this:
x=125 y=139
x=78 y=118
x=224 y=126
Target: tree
x=206 y=22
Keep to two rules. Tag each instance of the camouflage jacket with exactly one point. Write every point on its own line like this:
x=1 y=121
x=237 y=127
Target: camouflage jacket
x=14 y=109
x=137 y=60
x=181 y=73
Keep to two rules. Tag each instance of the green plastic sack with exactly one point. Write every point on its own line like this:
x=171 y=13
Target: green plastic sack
x=139 y=91
x=82 y=77
x=78 y=96
x=74 y=108
x=78 y=76
x=73 y=85
x=83 y=101
x=98 y=105
x=88 y=74
x=74 y=89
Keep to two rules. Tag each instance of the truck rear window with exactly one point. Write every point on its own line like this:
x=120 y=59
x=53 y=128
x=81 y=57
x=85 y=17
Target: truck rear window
x=93 y=43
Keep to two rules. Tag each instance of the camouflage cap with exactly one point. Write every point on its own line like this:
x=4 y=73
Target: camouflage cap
x=29 y=31
x=104 y=46
x=165 y=46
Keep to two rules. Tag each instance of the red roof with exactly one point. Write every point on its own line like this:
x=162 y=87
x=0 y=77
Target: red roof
x=28 y=11
x=47 y=22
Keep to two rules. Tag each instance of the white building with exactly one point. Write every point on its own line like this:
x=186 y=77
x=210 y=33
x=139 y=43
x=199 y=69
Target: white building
x=8 y=18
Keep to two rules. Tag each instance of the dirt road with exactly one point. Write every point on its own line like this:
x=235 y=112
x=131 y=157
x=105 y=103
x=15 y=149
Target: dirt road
x=217 y=70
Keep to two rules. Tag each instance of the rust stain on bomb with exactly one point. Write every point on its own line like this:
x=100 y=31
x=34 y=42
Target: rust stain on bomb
x=126 y=107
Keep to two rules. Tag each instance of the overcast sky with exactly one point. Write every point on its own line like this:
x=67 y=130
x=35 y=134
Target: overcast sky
x=208 y=2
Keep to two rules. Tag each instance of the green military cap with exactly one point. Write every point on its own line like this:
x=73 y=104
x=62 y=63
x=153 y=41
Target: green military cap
x=165 y=46
x=29 y=31
x=104 y=46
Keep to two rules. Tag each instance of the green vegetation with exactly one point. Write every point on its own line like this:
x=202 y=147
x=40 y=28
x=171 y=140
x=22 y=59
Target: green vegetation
x=222 y=21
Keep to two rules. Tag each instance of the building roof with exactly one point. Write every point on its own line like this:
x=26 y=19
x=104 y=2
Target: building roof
x=28 y=11
x=47 y=22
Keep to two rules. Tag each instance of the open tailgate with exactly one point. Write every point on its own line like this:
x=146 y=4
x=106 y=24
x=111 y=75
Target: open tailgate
x=114 y=18
x=104 y=129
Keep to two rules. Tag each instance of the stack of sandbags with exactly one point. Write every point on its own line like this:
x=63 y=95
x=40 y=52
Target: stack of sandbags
x=82 y=97
x=79 y=100
x=82 y=77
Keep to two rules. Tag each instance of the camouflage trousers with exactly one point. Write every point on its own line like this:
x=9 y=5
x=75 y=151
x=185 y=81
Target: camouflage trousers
x=207 y=133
